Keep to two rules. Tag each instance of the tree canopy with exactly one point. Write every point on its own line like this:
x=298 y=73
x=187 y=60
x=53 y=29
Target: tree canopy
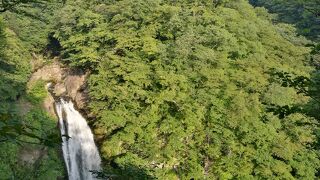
x=304 y=14
x=10 y=5
x=181 y=89
x=24 y=125
x=186 y=89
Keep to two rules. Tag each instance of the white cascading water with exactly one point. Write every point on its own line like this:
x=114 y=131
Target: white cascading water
x=79 y=150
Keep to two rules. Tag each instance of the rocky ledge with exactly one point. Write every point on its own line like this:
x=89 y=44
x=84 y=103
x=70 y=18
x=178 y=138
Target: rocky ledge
x=64 y=82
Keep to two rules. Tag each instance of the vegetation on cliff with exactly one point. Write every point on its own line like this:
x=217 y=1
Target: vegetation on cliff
x=28 y=135
x=191 y=89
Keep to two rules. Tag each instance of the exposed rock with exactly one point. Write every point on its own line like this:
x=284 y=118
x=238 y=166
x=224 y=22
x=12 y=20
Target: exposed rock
x=37 y=61
x=50 y=73
x=74 y=83
x=65 y=83
x=48 y=105
x=59 y=89
x=81 y=100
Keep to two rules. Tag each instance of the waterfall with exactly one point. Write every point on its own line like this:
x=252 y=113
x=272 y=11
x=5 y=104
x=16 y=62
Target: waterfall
x=79 y=150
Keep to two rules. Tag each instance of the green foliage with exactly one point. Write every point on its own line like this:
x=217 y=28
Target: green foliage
x=303 y=13
x=12 y=5
x=3 y=40
x=14 y=67
x=31 y=21
x=13 y=152
x=179 y=89
x=33 y=130
x=37 y=92
x=184 y=89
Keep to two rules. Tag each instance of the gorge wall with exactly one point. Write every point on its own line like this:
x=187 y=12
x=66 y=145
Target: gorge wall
x=64 y=82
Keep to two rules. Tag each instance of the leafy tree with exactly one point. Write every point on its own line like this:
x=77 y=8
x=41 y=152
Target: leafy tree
x=178 y=89
x=20 y=130
x=11 y=5
x=303 y=13
x=184 y=89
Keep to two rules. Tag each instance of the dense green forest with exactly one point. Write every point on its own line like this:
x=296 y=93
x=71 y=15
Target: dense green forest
x=178 y=89
x=304 y=14
x=25 y=128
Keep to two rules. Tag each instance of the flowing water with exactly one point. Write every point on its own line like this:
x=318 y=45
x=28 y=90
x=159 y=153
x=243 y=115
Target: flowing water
x=79 y=150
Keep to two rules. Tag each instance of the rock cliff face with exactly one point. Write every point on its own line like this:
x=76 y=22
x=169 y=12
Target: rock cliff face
x=61 y=82
x=64 y=82
x=73 y=85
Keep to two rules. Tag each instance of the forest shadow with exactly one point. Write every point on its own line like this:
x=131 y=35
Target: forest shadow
x=128 y=172
x=312 y=108
x=6 y=67
x=294 y=13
